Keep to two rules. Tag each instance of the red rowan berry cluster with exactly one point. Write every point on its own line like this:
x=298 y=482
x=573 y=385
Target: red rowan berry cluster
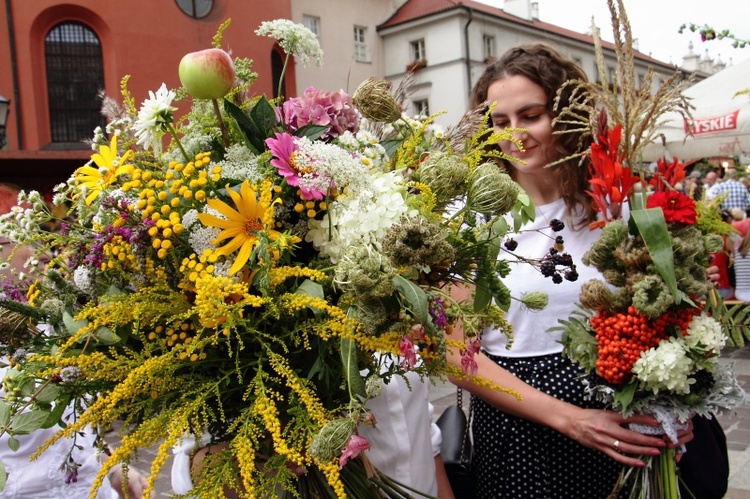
x=621 y=338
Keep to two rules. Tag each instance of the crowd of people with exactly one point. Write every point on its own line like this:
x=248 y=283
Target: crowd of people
x=555 y=443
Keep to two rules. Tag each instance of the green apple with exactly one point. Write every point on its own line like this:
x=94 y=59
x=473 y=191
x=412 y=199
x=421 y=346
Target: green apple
x=207 y=74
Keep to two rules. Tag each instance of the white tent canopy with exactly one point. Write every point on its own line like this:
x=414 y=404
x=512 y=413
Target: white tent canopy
x=721 y=122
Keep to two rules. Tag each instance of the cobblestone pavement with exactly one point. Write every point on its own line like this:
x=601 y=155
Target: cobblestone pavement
x=736 y=427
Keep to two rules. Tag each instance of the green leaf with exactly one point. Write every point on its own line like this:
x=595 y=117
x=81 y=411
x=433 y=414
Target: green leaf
x=417 y=299
x=311 y=288
x=48 y=394
x=391 y=146
x=482 y=295
x=502 y=297
x=4 y=413
x=13 y=443
x=71 y=325
x=311 y=131
x=624 y=396
x=56 y=414
x=351 y=369
x=3 y=476
x=653 y=229
x=27 y=422
x=264 y=117
x=106 y=336
x=247 y=127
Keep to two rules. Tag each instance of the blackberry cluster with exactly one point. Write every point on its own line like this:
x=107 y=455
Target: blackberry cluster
x=558 y=266
x=511 y=244
x=557 y=225
x=704 y=380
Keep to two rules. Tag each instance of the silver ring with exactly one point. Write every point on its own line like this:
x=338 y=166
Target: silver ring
x=616 y=445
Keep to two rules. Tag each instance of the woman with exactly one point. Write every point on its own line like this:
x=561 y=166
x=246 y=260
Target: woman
x=552 y=443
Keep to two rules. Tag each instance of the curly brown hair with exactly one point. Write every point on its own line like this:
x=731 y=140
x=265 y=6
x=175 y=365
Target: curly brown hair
x=549 y=69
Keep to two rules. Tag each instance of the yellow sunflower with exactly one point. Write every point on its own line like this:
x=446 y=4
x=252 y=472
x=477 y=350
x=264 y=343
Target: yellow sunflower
x=252 y=216
x=95 y=180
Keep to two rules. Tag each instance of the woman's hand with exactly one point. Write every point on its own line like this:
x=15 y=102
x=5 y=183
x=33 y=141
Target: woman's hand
x=683 y=437
x=604 y=431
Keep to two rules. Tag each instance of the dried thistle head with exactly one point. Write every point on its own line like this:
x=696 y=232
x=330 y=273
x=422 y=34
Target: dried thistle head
x=374 y=100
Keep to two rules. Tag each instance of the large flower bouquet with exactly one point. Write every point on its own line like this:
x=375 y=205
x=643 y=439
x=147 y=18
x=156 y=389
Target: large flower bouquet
x=232 y=271
x=644 y=338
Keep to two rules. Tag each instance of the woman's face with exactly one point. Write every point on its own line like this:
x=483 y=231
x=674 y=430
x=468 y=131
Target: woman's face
x=521 y=103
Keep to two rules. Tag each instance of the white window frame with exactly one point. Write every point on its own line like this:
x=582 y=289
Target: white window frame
x=361 y=50
x=421 y=107
x=417 y=49
x=312 y=23
x=488 y=44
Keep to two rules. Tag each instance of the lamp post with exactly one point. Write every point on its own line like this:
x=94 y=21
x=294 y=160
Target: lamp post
x=4 y=110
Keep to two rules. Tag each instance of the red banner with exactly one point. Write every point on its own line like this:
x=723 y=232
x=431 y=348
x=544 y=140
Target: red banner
x=721 y=123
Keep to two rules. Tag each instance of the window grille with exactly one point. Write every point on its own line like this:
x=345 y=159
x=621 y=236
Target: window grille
x=313 y=24
x=75 y=75
x=360 y=44
x=195 y=8
x=418 y=51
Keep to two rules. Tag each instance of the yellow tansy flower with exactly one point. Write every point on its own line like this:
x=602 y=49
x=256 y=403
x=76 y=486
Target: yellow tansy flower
x=110 y=167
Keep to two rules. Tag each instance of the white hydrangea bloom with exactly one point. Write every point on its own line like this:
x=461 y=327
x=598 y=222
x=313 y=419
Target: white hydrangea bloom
x=665 y=367
x=362 y=216
x=705 y=334
x=154 y=113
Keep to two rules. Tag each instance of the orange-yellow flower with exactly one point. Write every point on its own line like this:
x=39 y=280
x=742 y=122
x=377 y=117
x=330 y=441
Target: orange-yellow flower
x=243 y=225
x=95 y=180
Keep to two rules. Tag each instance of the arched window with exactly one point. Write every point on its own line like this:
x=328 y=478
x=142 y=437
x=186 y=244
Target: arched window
x=195 y=8
x=75 y=75
x=277 y=66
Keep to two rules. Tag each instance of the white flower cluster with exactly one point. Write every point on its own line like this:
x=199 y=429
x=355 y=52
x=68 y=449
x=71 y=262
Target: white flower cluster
x=666 y=367
x=153 y=114
x=330 y=163
x=371 y=153
x=82 y=279
x=240 y=164
x=295 y=39
x=360 y=216
x=704 y=334
x=21 y=224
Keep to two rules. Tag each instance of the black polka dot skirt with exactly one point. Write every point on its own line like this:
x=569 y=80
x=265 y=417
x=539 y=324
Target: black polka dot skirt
x=515 y=458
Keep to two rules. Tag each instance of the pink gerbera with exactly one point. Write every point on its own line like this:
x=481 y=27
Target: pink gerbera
x=286 y=157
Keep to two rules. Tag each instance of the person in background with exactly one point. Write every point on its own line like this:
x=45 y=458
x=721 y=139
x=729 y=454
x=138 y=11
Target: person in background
x=694 y=188
x=68 y=468
x=710 y=180
x=735 y=193
x=554 y=443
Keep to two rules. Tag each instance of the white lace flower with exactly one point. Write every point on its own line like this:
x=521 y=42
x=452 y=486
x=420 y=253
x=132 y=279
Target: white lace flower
x=294 y=39
x=240 y=164
x=665 y=367
x=82 y=279
x=155 y=112
x=705 y=334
